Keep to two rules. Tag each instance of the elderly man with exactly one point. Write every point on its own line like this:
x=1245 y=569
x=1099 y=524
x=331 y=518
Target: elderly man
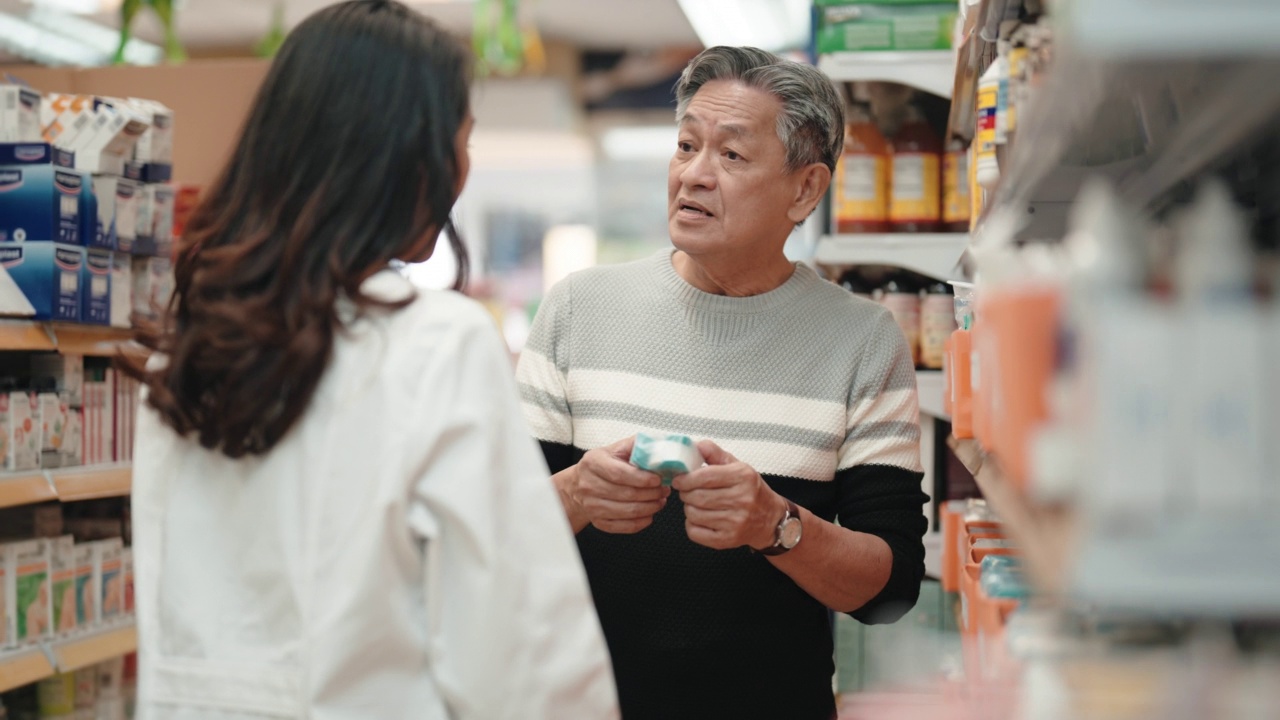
x=714 y=598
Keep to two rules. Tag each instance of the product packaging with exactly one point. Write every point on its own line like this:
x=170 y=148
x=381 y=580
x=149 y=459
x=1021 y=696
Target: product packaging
x=8 y=601
x=39 y=200
x=86 y=598
x=25 y=432
x=915 y=196
x=67 y=372
x=885 y=27
x=57 y=697
x=155 y=221
x=128 y=194
x=121 y=290
x=105 y=189
x=109 y=578
x=956 y=203
x=87 y=692
x=152 y=285
x=62 y=562
x=666 y=455
x=53 y=424
x=860 y=202
x=19 y=114
x=32 y=594
x=902 y=298
x=937 y=322
x=48 y=274
x=95 y=288
x=986 y=168
x=73 y=436
x=127 y=561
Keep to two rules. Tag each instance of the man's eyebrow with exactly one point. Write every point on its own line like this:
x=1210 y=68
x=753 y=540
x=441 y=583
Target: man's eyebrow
x=733 y=129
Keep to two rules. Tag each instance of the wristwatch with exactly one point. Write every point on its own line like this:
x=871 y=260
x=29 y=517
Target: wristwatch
x=787 y=535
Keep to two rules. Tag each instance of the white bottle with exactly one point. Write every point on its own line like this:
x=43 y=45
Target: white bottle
x=1001 y=65
x=987 y=170
x=1222 y=408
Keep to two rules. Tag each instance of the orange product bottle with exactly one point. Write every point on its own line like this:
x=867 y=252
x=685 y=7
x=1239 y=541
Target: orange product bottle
x=961 y=390
x=861 y=200
x=901 y=297
x=956 y=203
x=915 y=196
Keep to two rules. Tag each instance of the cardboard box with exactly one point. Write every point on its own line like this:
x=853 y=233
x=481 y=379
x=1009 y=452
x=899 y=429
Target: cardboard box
x=40 y=202
x=850 y=28
x=155 y=145
x=32 y=594
x=25 y=432
x=128 y=195
x=73 y=442
x=49 y=275
x=8 y=602
x=95 y=288
x=155 y=221
x=63 y=584
x=86 y=605
x=121 y=290
x=108 y=568
x=19 y=114
x=105 y=188
x=53 y=425
x=67 y=372
x=152 y=285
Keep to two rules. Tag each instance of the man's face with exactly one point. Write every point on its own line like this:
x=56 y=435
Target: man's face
x=728 y=186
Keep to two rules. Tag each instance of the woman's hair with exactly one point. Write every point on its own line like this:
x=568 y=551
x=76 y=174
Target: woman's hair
x=346 y=163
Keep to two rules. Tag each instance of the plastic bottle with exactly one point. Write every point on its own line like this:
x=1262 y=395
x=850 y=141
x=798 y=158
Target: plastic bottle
x=861 y=200
x=937 y=321
x=915 y=200
x=987 y=170
x=901 y=297
x=955 y=187
x=958 y=364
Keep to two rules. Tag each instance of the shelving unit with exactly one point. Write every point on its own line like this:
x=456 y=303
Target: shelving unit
x=31 y=336
x=65 y=484
x=928 y=70
x=32 y=664
x=934 y=254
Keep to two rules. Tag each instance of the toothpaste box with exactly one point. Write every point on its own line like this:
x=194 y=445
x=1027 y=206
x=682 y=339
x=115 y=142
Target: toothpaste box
x=32 y=597
x=19 y=114
x=63 y=583
x=49 y=275
x=128 y=196
x=121 y=290
x=105 y=190
x=25 y=431
x=39 y=202
x=95 y=288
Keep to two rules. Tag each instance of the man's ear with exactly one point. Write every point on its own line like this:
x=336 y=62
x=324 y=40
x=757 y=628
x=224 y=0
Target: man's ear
x=815 y=179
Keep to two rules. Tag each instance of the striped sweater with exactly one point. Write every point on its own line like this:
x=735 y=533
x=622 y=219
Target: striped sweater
x=812 y=387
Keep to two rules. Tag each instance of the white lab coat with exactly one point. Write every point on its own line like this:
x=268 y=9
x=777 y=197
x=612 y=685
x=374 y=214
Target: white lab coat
x=400 y=554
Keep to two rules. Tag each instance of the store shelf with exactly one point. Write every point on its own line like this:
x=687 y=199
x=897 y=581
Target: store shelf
x=65 y=484
x=929 y=70
x=25 y=488
x=20 y=335
x=81 y=652
x=23 y=667
x=934 y=254
x=29 y=336
x=930 y=385
x=89 y=483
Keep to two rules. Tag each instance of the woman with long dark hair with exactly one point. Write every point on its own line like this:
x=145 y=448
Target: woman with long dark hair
x=338 y=512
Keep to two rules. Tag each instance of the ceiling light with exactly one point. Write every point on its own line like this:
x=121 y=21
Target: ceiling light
x=773 y=25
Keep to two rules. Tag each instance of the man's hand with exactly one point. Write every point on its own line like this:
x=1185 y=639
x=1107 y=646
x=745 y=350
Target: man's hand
x=727 y=504
x=607 y=491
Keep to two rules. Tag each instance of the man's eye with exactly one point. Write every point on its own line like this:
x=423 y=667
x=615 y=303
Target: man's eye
x=686 y=147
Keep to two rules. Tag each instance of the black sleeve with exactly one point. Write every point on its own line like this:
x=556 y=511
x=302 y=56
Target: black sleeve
x=887 y=502
x=560 y=456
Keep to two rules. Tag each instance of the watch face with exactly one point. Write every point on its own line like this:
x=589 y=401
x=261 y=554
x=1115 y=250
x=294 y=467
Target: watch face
x=791 y=530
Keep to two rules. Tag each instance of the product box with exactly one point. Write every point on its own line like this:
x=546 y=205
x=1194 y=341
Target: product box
x=85 y=596
x=8 y=633
x=73 y=443
x=121 y=290
x=114 y=138
x=49 y=275
x=152 y=285
x=71 y=129
x=885 y=27
x=56 y=697
x=53 y=424
x=105 y=189
x=128 y=195
x=63 y=583
x=36 y=153
x=29 y=561
x=25 y=432
x=108 y=567
x=66 y=370
x=155 y=221
x=19 y=114
x=127 y=557
x=95 y=288
x=40 y=203
x=155 y=145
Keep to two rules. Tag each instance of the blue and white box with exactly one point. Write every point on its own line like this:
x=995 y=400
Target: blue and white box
x=95 y=287
x=128 y=193
x=105 y=190
x=49 y=275
x=39 y=201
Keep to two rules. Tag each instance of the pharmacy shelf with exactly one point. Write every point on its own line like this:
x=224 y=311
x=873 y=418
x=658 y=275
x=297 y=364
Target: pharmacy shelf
x=929 y=70
x=90 y=483
x=930 y=385
x=29 y=336
x=23 y=667
x=81 y=652
x=66 y=484
x=934 y=254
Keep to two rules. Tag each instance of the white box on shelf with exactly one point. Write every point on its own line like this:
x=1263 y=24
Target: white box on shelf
x=19 y=114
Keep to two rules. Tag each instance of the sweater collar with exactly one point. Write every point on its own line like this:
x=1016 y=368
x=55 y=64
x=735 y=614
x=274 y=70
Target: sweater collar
x=800 y=282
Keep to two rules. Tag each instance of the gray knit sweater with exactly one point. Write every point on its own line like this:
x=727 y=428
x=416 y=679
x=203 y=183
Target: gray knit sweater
x=812 y=387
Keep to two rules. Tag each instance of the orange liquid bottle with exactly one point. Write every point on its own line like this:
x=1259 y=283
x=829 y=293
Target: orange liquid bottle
x=961 y=390
x=861 y=200
x=915 y=198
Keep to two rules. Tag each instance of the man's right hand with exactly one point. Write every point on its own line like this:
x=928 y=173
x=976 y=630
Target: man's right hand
x=605 y=490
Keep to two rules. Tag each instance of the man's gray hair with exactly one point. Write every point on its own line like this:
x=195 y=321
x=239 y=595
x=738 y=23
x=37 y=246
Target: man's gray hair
x=811 y=122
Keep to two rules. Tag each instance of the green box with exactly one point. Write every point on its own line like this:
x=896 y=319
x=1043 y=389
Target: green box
x=847 y=28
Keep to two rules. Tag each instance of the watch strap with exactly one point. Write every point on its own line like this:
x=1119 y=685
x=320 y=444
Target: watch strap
x=777 y=548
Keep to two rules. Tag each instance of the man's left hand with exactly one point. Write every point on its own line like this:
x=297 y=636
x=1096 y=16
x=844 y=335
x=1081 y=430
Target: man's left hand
x=727 y=504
